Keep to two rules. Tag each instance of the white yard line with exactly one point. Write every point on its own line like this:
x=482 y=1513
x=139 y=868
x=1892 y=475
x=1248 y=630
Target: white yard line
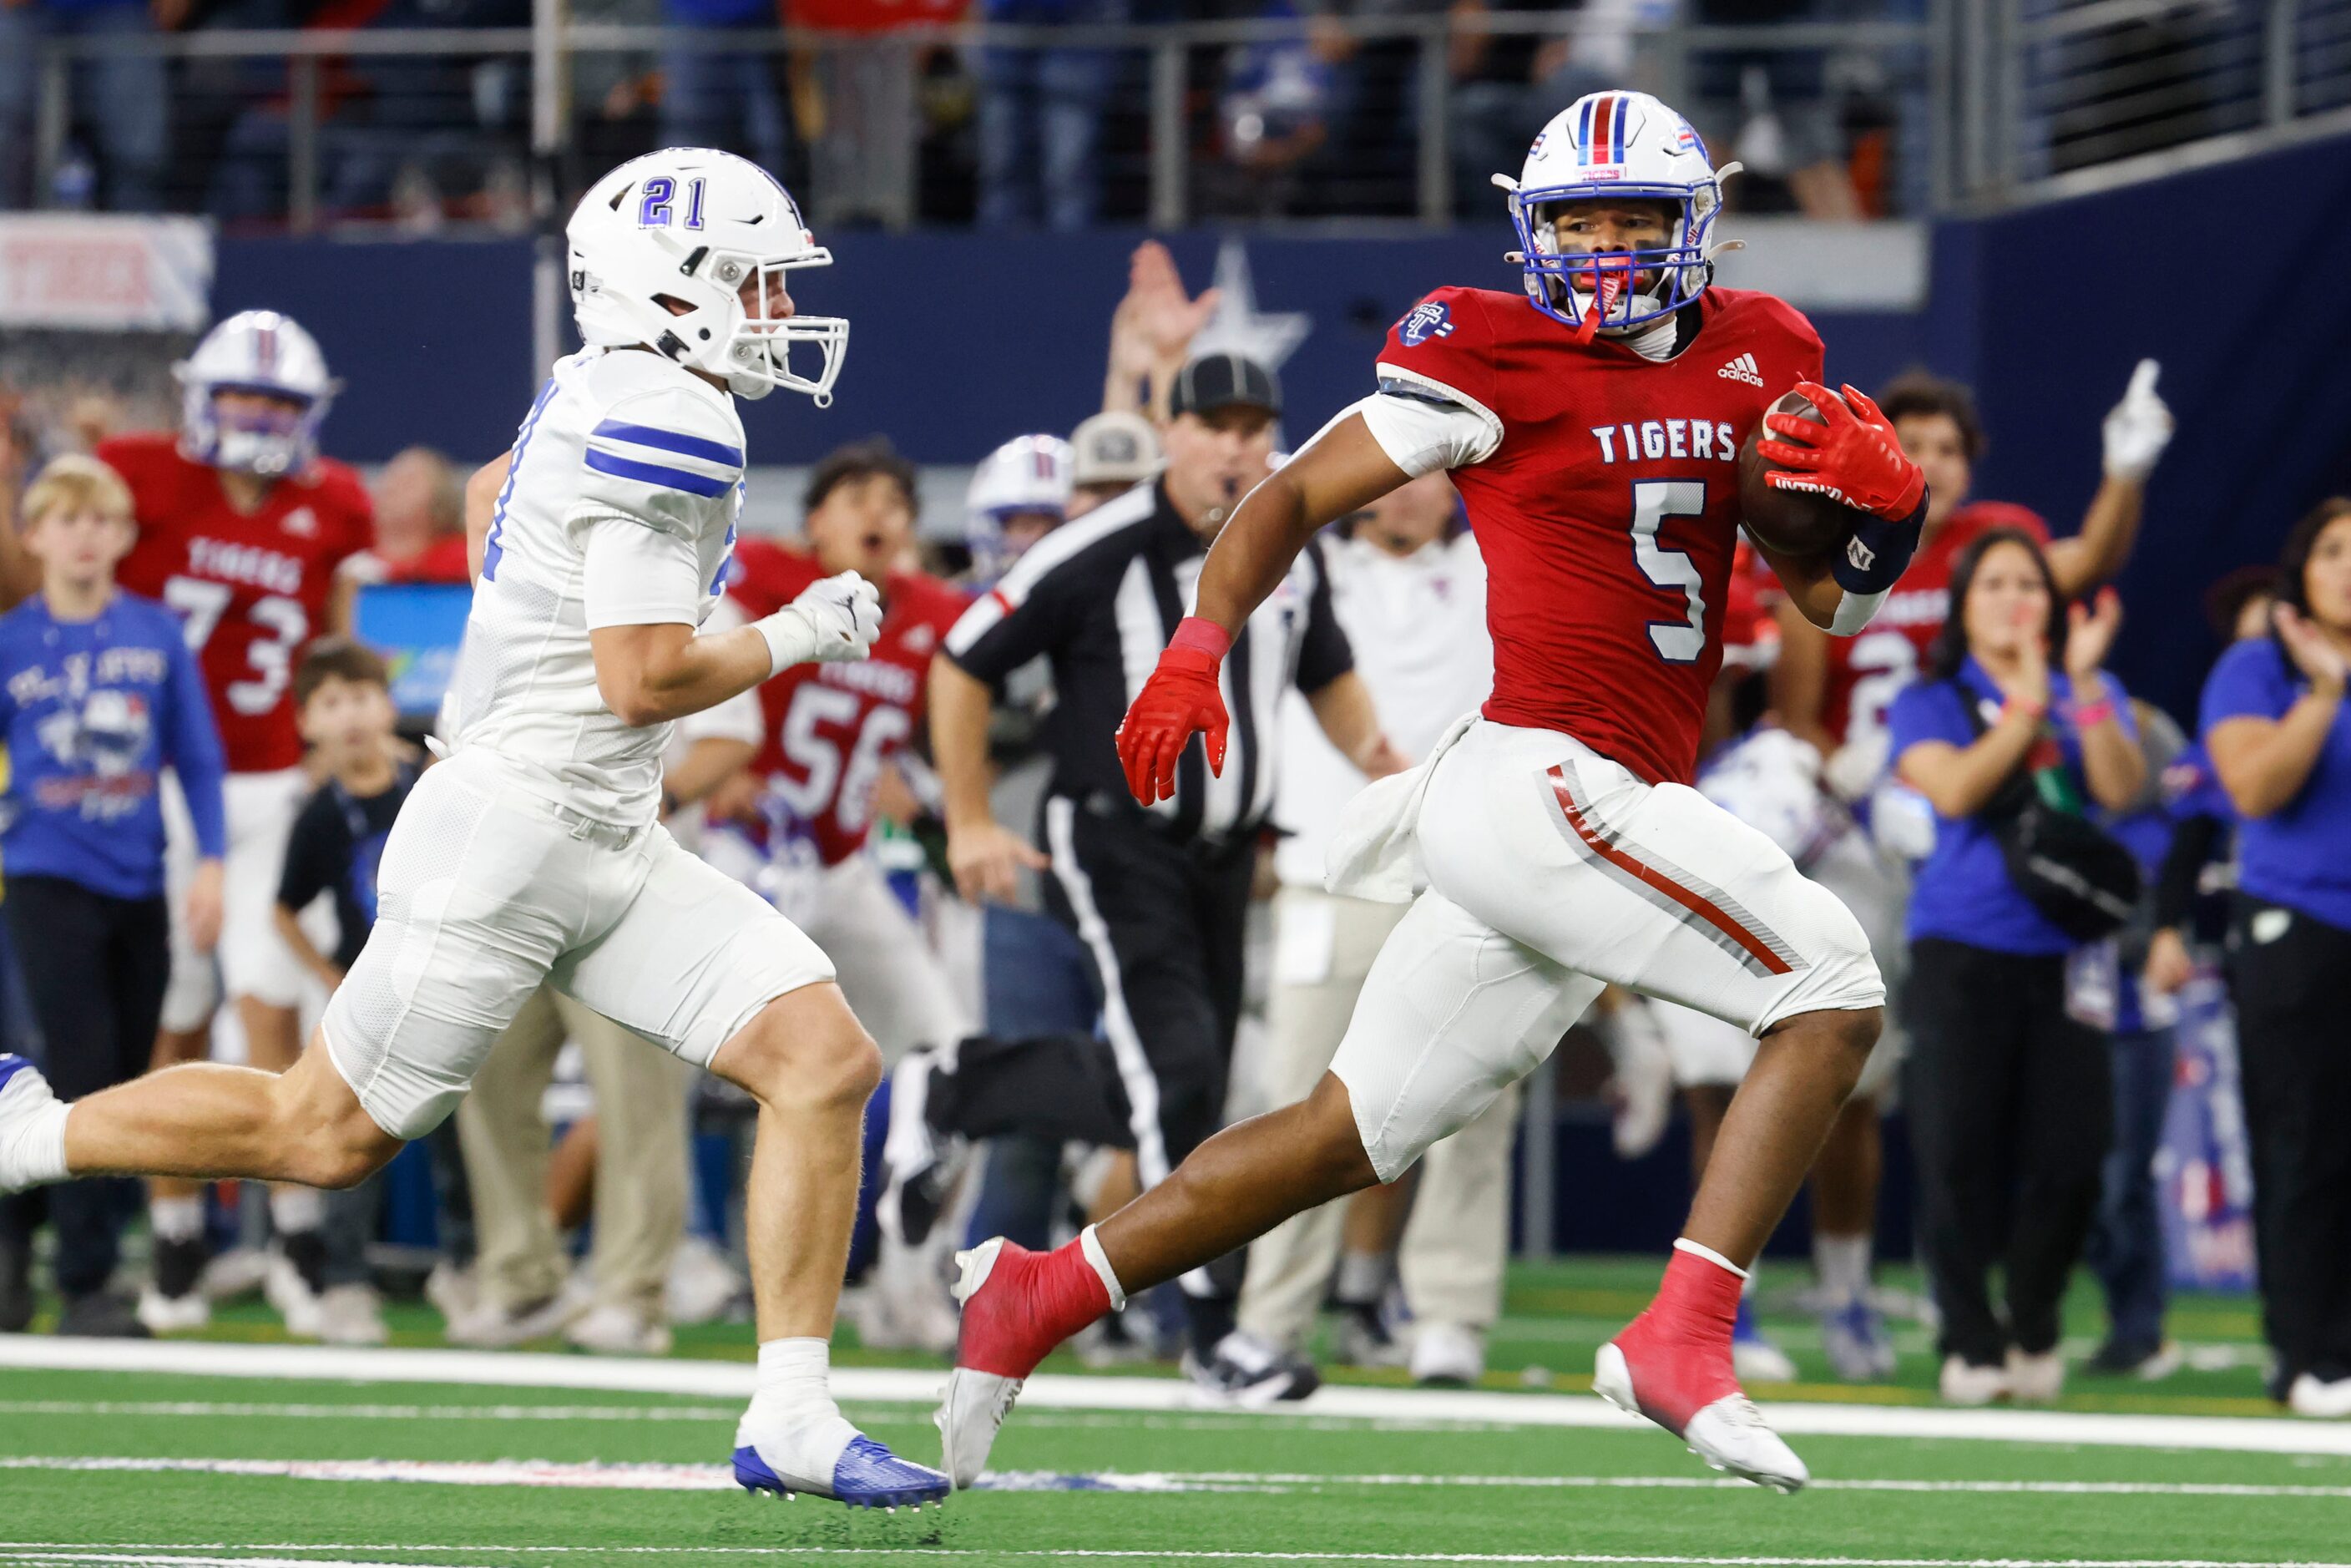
x=38 y=1555
x=599 y=1477
x=885 y=1409
x=733 y=1380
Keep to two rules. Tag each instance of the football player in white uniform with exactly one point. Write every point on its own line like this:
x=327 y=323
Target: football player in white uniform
x=532 y=853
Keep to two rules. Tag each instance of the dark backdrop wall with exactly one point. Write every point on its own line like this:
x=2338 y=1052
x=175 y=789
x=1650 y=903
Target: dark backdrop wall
x=2229 y=276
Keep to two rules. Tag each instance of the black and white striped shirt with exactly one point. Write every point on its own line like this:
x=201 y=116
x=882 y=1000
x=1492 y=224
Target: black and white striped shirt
x=1099 y=598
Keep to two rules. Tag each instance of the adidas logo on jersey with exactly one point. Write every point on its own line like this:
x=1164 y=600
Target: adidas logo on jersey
x=1742 y=368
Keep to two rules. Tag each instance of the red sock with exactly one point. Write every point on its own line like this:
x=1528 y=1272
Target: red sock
x=1678 y=1351
x=1031 y=1302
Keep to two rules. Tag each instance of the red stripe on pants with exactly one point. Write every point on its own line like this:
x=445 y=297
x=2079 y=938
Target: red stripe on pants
x=1704 y=908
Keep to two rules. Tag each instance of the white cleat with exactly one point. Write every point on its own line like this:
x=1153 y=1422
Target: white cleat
x=2035 y=1379
x=1964 y=1384
x=24 y=1098
x=163 y=1314
x=1730 y=1434
x=976 y=1403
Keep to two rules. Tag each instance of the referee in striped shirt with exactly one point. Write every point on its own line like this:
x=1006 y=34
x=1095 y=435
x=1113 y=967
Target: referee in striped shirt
x=1157 y=896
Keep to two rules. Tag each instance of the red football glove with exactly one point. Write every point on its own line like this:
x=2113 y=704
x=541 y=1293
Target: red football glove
x=1854 y=459
x=1179 y=701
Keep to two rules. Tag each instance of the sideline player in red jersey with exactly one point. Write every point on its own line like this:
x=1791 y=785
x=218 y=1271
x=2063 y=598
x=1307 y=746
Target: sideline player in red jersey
x=1593 y=430
x=1833 y=693
x=243 y=528
x=825 y=741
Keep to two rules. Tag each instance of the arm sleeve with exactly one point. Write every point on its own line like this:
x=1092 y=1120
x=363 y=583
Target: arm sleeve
x=196 y=752
x=1441 y=356
x=1323 y=653
x=310 y=857
x=638 y=575
x=1421 y=429
x=1038 y=607
x=671 y=458
x=2193 y=841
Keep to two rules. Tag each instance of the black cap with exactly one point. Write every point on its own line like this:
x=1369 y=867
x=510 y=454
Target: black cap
x=1224 y=381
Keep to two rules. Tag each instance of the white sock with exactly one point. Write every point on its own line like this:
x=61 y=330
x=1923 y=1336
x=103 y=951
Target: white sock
x=1363 y=1277
x=175 y=1219
x=1843 y=1264
x=793 y=1422
x=1091 y=1246
x=296 y=1208
x=39 y=1155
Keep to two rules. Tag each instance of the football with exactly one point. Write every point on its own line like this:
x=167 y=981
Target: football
x=1793 y=522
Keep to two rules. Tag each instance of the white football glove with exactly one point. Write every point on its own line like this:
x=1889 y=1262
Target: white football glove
x=2137 y=428
x=832 y=619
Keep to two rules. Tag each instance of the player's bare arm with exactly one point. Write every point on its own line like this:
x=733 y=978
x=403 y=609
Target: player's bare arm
x=1798 y=679
x=1342 y=470
x=481 y=506
x=985 y=856
x=664 y=671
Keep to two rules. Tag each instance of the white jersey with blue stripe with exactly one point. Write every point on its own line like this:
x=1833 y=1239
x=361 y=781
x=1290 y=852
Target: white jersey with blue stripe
x=619 y=509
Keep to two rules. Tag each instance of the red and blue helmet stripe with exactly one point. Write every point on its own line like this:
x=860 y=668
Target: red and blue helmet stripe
x=1600 y=130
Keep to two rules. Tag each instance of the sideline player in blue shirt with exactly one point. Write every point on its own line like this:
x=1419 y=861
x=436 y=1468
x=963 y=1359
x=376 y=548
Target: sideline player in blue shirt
x=98 y=695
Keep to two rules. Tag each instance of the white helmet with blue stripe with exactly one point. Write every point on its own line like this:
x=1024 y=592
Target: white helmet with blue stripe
x=270 y=356
x=1615 y=146
x=662 y=250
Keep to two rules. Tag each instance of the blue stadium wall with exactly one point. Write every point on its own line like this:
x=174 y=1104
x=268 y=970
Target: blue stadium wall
x=2231 y=275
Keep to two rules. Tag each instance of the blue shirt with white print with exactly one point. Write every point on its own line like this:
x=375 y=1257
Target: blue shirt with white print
x=93 y=712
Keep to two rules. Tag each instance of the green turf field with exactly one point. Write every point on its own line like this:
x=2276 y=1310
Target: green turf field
x=200 y=1471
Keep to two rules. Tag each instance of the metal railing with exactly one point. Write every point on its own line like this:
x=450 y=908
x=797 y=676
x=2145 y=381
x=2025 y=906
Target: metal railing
x=1968 y=104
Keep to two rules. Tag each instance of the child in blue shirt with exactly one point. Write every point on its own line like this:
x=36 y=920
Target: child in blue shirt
x=98 y=694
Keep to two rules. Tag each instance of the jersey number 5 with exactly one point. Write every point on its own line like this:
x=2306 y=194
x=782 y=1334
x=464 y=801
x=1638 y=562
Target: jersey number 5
x=1653 y=500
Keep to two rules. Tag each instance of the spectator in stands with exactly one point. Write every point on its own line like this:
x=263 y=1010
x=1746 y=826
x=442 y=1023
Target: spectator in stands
x=2009 y=1095
x=1773 y=109
x=98 y=694
x=1041 y=112
x=420 y=519
x=343 y=693
x=727 y=94
x=120 y=102
x=1271 y=121
x=2275 y=721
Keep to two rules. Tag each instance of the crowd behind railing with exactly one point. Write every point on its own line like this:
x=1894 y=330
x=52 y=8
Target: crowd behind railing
x=425 y=114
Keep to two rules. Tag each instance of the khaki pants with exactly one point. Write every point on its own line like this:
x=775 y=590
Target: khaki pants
x=641 y=1166
x=1455 y=1244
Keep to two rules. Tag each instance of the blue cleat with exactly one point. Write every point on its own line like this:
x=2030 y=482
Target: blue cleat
x=1855 y=1337
x=866 y=1476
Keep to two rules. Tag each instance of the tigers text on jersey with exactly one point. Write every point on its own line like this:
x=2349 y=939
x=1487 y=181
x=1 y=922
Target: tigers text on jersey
x=828 y=728
x=1866 y=672
x=619 y=509
x=251 y=589
x=1608 y=508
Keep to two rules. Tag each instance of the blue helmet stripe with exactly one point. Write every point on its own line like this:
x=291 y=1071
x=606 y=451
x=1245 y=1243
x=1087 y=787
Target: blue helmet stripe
x=654 y=474
x=1583 y=133
x=671 y=441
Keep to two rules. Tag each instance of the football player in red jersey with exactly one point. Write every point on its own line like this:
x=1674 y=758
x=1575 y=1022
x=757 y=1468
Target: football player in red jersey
x=243 y=530
x=1593 y=429
x=1833 y=693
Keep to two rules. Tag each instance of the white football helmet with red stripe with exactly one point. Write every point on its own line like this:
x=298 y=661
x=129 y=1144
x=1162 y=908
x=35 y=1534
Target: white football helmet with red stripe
x=1615 y=145
x=269 y=355
x=1027 y=475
